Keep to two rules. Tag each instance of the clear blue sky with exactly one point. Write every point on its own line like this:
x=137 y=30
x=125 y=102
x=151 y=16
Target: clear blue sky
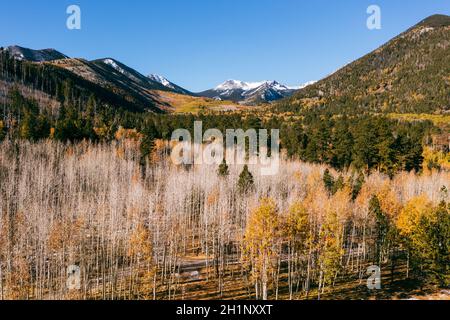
x=200 y=43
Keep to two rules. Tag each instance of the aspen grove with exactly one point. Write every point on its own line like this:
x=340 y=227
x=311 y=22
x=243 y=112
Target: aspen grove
x=160 y=231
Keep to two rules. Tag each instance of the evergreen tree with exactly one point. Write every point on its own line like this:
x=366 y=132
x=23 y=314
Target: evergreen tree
x=438 y=239
x=357 y=185
x=328 y=181
x=223 y=169
x=426 y=232
x=69 y=125
x=90 y=118
x=364 y=150
x=381 y=227
x=150 y=134
x=342 y=145
x=245 y=183
x=338 y=185
x=28 y=126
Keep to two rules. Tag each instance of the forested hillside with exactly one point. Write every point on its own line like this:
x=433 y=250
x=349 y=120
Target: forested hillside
x=409 y=74
x=36 y=80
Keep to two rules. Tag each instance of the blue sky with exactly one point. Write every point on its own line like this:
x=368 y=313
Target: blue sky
x=201 y=43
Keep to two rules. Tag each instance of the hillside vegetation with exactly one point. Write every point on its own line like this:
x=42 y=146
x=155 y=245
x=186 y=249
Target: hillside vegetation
x=409 y=74
x=168 y=232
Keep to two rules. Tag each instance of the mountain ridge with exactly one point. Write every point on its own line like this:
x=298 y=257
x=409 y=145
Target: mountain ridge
x=42 y=55
x=169 y=84
x=250 y=93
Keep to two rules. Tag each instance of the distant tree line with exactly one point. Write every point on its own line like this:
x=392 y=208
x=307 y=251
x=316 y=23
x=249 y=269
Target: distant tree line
x=362 y=142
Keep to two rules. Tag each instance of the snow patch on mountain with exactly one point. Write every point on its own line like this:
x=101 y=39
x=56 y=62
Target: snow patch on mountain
x=251 y=92
x=247 y=86
x=161 y=80
x=114 y=64
x=25 y=54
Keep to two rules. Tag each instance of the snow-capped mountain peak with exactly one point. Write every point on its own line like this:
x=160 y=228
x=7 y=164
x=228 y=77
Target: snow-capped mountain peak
x=246 y=86
x=168 y=84
x=249 y=92
x=114 y=64
x=153 y=81
x=161 y=80
x=232 y=85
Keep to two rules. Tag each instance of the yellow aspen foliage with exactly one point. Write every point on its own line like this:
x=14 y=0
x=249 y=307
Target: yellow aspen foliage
x=297 y=220
x=411 y=215
x=262 y=228
x=316 y=196
x=367 y=191
x=259 y=245
x=160 y=151
x=331 y=250
x=426 y=229
x=65 y=233
x=341 y=203
x=140 y=244
x=435 y=160
x=389 y=202
x=314 y=180
x=141 y=252
x=127 y=134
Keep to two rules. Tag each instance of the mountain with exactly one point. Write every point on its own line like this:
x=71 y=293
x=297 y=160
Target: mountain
x=114 y=74
x=47 y=82
x=249 y=93
x=20 y=53
x=409 y=74
x=113 y=81
x=125 y=74
x=106 y=65
x=118 y=78
x=109 y=71
x=169 y=85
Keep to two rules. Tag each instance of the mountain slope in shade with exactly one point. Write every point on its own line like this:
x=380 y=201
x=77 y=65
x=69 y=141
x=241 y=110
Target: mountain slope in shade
x=116 y=77
x=120 y=78
x=249 y=93
x=87 y=69
x=46 y=82
x=44 y=55
x=409 y=74
x=110 y=81
x=121 y=72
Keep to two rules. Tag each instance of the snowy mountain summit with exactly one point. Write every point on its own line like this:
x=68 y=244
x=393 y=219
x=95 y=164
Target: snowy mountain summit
x=161 y=80
x=168 y=84
x=250 y=92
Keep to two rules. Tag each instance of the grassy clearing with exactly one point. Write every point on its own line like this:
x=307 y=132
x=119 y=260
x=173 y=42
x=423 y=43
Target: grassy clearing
x=189 y=104
x=437 y=119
